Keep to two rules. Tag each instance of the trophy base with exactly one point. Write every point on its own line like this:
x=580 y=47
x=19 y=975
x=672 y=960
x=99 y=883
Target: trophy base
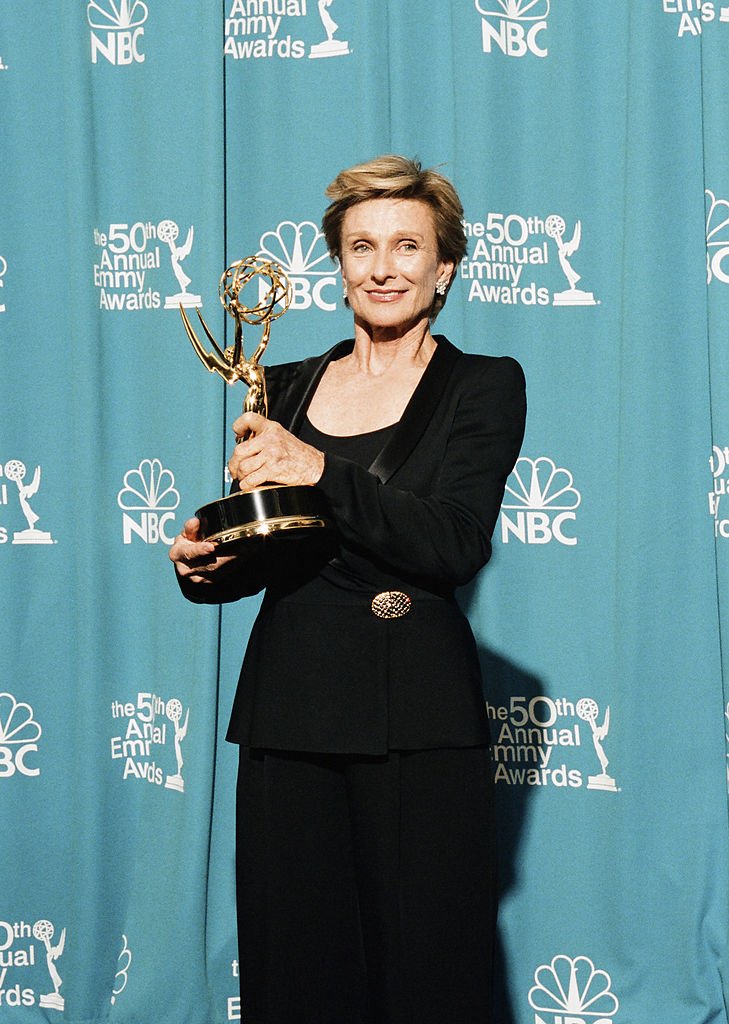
x=32 y=536
x=574 y=297
x=330 y=48
x=602 y=781
x=184 y=299
x=263 y=512
x=175 y=782
x=53 y=1001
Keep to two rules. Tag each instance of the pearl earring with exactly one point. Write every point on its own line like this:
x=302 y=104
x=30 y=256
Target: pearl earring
x=440 y=288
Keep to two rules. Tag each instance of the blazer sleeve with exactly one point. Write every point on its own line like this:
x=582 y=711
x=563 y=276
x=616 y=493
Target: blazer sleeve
x=444 y=535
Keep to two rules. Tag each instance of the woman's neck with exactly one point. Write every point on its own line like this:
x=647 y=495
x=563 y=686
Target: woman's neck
x=371 y=387
x=378 y=352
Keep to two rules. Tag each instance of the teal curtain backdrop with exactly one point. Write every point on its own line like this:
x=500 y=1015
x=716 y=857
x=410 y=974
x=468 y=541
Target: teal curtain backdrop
x=146 y=145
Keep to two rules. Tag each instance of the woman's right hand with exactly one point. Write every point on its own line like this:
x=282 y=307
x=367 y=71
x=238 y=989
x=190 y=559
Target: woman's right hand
x=195 y=559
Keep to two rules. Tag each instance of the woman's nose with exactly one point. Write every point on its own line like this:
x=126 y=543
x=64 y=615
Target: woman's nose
x=382 y=265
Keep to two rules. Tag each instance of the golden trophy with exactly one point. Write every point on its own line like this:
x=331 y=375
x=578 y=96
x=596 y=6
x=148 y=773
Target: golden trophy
x=272 y=508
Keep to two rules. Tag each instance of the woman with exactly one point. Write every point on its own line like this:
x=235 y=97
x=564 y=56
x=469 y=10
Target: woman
x=365 y=837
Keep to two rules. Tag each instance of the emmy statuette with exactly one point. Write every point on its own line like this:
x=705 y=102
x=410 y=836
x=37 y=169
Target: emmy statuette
x=242 y=516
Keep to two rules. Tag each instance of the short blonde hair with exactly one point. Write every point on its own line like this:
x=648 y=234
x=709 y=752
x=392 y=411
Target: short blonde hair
x=397 y=177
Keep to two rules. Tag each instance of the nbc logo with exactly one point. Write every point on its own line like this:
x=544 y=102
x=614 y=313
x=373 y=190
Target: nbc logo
x=572 y=991
x=717 y=238
x=19 y=735
x=119 y=23
x=514 y=26
x=301 y=251
x=148 y=490
x=539 y=502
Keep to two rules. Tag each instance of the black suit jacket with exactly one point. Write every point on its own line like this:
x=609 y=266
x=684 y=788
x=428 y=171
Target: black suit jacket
x=323 y=673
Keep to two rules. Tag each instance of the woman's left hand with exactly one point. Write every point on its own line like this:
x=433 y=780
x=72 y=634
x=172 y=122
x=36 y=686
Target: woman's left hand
x=271 y=455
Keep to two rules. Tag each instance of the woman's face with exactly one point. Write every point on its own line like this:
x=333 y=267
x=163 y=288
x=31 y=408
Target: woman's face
x=390 y=263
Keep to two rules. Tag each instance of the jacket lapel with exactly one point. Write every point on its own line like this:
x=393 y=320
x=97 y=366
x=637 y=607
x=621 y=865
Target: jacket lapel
x=293 y=400
x=418 y=412
x=294 y=395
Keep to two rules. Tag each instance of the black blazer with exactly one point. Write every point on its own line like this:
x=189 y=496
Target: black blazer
x=326 y=674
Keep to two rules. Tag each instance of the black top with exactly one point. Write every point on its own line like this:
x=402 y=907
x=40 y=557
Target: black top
x=360 y=448
x=348 y=569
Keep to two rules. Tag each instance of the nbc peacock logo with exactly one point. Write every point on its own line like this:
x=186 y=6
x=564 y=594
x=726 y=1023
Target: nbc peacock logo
x=301 y=250
x=149 y=491
x=540 y=503
x=572 y=990
x=124 y=962
x=515 y=27
x=717 y=238
x=117 y=30
x=19 y=735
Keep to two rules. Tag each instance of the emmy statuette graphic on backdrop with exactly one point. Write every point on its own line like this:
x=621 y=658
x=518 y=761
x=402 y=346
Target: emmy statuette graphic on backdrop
x=168 y=231
x=331 y=47
x=15 y=470
x=588 y=710
x=242 y=516
x=44 y=931
x=555 y=226
x=173 y=710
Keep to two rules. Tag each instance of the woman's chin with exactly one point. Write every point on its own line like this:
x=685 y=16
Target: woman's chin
x=391 y=324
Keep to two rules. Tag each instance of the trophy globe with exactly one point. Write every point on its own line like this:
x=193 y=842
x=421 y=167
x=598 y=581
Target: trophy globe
x=173 y=709
x=240 y=274
x=15 y=470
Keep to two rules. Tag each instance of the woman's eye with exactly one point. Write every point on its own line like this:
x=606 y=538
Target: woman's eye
x=408 y=246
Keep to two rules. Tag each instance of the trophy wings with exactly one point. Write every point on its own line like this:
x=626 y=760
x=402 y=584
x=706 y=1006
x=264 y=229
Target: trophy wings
x=32 y=487
x=57 y=950
x=183 y=731
x=602 y=731
x=574 y=243
x=186 y=249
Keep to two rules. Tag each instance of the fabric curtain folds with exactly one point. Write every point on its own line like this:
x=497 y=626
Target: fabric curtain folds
x=144 y=148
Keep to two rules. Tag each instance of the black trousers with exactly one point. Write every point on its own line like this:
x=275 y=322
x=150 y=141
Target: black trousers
x=366 y=887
